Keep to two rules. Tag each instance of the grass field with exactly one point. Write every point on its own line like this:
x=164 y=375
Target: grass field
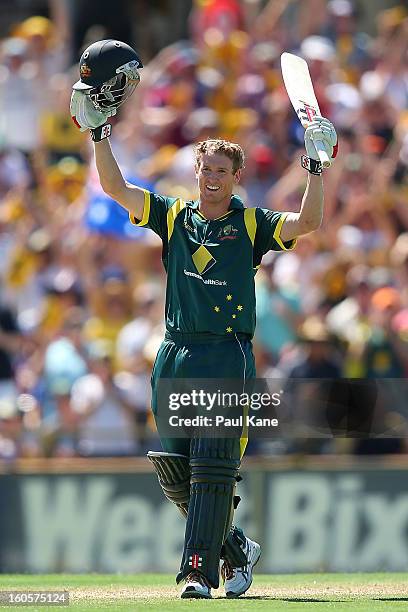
x=294 y=593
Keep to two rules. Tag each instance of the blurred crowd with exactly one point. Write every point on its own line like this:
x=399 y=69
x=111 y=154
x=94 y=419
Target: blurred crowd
x=82 y=291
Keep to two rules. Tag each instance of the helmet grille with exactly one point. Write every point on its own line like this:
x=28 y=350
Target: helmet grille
x=111 y=94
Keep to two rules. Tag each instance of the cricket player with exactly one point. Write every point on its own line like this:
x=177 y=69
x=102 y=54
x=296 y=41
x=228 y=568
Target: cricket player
x=212 y=248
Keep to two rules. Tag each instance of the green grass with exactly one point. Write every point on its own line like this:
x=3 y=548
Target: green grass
x=291 y=593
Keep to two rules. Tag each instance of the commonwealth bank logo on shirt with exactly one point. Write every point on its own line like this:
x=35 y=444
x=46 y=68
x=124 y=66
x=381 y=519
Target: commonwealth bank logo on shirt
x=228 y=232
x=206 y=281
x=203 y=260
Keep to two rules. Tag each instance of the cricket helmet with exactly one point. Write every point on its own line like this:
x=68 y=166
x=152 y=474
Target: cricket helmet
x=109 y=73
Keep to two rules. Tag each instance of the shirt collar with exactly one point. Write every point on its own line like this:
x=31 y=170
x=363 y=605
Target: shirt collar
x=236 y=203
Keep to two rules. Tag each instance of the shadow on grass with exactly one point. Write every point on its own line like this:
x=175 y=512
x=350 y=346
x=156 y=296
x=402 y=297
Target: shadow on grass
x=318 y=600
x=389 y=598
x=296 y=599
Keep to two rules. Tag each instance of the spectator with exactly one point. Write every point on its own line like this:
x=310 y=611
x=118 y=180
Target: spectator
x=278 y=311
x=106 y=421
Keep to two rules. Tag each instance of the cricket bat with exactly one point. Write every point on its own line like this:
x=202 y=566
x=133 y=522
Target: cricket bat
x=300 y=90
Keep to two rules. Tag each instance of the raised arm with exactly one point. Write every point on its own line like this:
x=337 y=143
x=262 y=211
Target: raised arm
x=310 y=216
x=112 y=182
x=86 y=117
x=109 y=75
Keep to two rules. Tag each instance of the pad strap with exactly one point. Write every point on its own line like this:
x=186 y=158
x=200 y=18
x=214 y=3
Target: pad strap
x=232 y=549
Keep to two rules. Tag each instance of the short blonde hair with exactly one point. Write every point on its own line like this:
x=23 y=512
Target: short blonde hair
x=230 y=149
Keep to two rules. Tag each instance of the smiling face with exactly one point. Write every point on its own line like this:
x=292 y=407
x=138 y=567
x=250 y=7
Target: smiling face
x=216 y=178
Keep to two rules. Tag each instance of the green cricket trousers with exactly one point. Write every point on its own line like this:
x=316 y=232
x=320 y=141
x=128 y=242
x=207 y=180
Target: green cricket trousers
x=200 y=355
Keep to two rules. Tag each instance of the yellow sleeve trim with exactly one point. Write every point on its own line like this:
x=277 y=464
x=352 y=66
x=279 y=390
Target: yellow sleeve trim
x=276 y=234
x=172 y=214
x=146 y=211
x=250 y=223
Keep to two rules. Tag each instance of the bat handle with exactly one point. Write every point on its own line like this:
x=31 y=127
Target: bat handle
x=321 y=151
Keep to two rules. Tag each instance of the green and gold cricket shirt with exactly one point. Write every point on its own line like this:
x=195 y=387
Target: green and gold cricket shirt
x=211 y=264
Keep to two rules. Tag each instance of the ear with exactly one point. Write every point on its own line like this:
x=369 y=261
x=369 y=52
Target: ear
x=237 y=176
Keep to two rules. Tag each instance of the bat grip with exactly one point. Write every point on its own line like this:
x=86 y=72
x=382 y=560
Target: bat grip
x=321 y=151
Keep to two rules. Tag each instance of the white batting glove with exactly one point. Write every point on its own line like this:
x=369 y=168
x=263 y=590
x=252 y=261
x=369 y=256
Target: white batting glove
x=84 y=114
x=321 y=129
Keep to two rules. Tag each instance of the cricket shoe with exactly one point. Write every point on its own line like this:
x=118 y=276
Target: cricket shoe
x=237 y=580
x=196 y=587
